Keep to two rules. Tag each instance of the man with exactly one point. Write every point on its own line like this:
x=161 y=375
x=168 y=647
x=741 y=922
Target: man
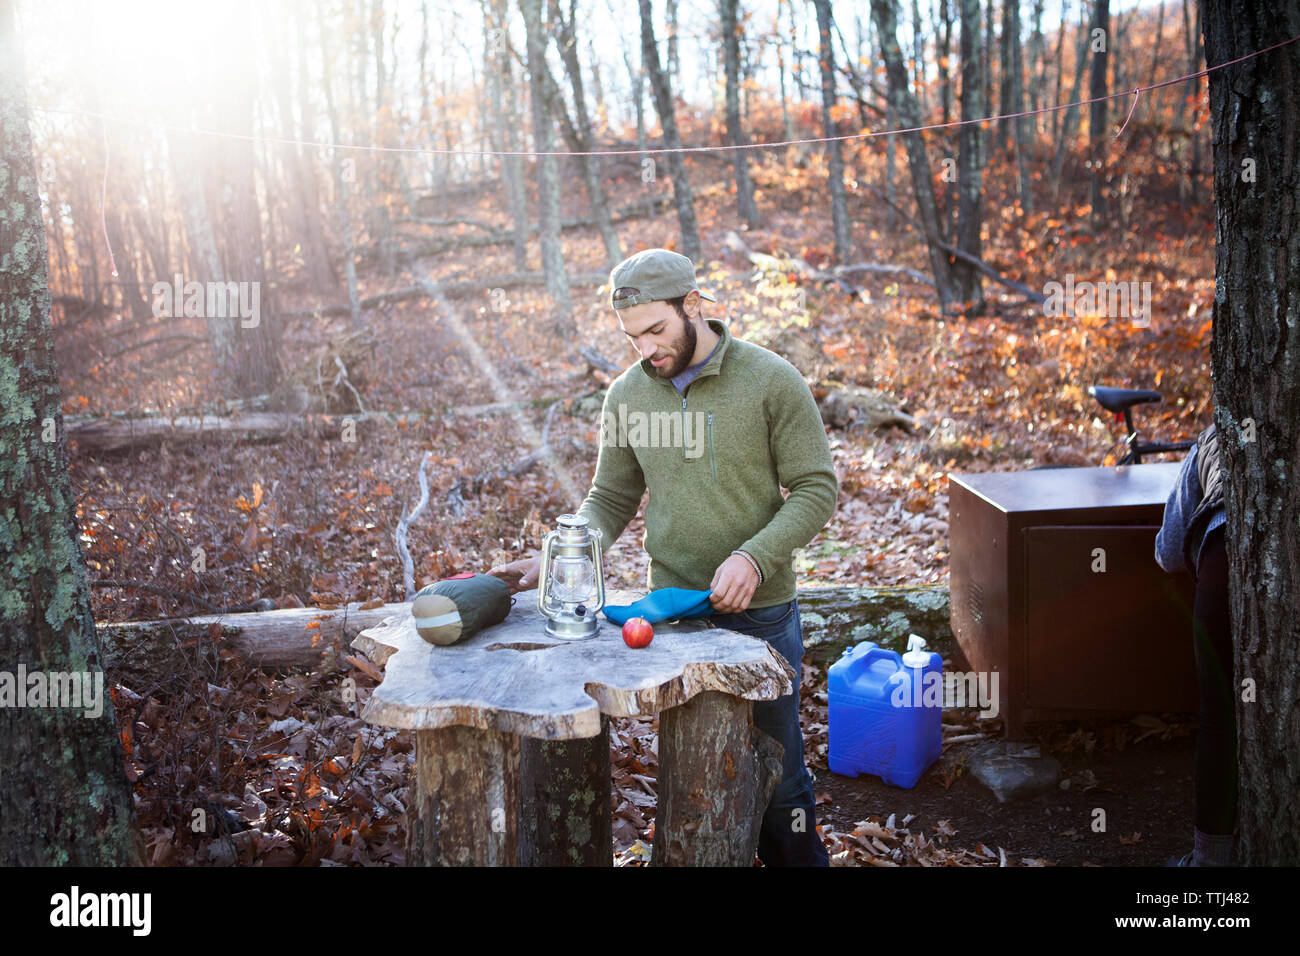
x=714 y=427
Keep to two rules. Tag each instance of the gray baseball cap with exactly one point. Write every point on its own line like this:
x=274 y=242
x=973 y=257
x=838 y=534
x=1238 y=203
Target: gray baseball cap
x=655 y=274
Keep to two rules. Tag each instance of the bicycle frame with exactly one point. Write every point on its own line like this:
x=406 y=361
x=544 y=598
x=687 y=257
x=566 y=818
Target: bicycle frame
x=1137 y=448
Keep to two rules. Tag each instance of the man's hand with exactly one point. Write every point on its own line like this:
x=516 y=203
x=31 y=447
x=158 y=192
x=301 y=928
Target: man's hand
x=734 y=584
x=519 y=575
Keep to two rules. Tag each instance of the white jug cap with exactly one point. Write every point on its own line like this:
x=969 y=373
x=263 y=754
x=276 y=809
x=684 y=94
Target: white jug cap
x=916 y=655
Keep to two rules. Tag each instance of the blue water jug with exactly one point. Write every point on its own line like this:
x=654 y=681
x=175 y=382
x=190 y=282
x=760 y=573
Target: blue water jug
x=885 y=712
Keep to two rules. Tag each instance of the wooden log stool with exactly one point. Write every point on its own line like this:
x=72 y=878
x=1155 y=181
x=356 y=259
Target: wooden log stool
x=512 y=739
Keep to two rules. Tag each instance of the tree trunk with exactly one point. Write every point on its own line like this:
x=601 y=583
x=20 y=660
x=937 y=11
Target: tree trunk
x=970 y=215
x=464 y=802
x=1054 y=118
x=567 y=40
x=1155 y=46
x=918 y=60
x=257 y=367
x=988 y=129
x=1256 y=357
x=682 y=194
x=302 y=199
x=1007 y=60
x=717 y=773
x=190 y=162
x=636 y=80
x=64 y=798
x=548 y=182
x=1097 y=87
x=1195 y=57
x=944 y=31
x=905 y=106
x=506 y=121
x=745 y=207
x=834 y=149
x=344 y=176
x=1036 y=48
x=565 y=816
x=1022 y=136
x=1071 y=121
x=674 y=65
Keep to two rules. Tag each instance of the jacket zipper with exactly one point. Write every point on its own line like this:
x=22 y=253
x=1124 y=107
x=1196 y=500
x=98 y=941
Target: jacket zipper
x=713 y=462
x=684 y=458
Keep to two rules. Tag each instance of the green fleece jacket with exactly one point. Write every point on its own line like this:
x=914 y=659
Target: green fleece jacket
x=715 y=461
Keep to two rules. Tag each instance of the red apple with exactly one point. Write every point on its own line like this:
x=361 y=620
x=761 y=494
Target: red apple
x=637 y=632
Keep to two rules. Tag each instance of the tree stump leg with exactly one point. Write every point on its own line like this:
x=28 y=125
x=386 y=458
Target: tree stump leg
x=565 y=814
x=464 y=806
x=769 y=768
x=716 y=775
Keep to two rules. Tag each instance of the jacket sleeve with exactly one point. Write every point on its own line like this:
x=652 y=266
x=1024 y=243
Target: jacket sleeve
x=618 y=484
x=797 y=439
x=1183 y=499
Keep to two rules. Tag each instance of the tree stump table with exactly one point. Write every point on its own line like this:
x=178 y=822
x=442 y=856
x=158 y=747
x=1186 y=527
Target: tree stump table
x=512 y=738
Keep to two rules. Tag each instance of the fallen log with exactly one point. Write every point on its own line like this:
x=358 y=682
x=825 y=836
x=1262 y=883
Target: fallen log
x=852 y=406
x=102 y=435
x=143 y=653
x=836 y=618
x=477 y=287
x=598 y=362
x=118 y=434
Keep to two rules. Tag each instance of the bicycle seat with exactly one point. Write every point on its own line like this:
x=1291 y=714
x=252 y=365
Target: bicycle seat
x=1119 y=400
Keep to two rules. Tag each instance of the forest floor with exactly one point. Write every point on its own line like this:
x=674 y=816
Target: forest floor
x=292 y=776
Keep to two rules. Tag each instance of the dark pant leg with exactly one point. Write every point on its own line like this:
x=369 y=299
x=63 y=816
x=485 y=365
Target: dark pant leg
x=1216 y=734
x=789 y=832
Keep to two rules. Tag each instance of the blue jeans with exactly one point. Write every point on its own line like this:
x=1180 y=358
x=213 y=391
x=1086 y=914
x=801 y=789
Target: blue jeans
x=789 y=834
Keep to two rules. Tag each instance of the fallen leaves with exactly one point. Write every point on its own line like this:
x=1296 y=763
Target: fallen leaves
x=879 y=841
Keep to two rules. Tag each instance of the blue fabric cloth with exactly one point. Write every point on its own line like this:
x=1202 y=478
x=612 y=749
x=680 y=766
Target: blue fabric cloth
x=788 y=836
x=666 y=604
x=692 y=372
x=1183 y=499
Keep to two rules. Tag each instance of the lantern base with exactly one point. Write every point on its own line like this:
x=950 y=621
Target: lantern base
x=572 y=628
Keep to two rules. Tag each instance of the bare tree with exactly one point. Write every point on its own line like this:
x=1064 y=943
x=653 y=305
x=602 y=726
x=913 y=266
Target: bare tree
x=1071 y=121
x=834 y=149
x=885 y=15
x=505 y=121
x=344 y=176
x=970 y=288
x=1097 y=87
x=731 y=31
x=663 y=97
x=580 y=133
x=548 y=181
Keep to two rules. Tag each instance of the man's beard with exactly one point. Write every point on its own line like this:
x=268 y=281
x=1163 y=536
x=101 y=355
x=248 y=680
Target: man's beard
x=683 y=352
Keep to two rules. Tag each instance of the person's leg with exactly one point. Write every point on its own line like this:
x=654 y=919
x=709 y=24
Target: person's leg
x=1216 y=734
x=789 y=832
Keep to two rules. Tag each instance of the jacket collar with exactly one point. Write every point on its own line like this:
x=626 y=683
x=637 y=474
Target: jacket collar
x=712 y=367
